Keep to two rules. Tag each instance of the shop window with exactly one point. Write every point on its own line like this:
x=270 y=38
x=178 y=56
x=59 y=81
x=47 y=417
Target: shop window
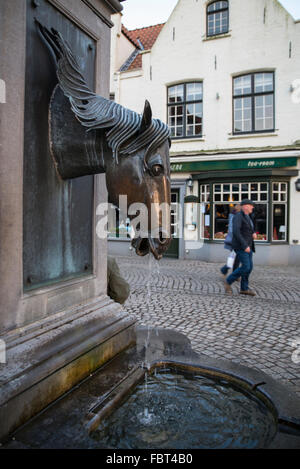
x=279 y=208
x=217 y=18
x=185 y=110
x=221 y=219
x=253 y=103
x=205 y=211
x=261 y=221
x=227 y=196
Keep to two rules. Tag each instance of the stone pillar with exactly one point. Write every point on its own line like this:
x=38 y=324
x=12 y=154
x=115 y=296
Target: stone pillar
x=57 y=334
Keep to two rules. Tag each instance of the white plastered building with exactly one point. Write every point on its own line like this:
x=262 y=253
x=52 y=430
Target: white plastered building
x=225 y=76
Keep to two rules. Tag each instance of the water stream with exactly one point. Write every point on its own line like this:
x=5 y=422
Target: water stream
x=153 y=270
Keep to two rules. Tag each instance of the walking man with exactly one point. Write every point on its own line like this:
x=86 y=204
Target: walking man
x=228 y=241
x=243 y=244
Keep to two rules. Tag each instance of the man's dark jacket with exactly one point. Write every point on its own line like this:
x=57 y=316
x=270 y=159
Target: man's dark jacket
x=242 y=232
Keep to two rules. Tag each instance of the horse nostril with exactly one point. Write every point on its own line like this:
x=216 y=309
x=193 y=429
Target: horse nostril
x=143 y=246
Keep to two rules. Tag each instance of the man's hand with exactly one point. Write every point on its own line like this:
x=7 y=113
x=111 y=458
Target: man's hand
x=248 y=250
x=254 y=236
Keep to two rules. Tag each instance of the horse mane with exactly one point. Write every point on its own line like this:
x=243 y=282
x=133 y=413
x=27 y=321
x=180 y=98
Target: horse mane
x=95 y=112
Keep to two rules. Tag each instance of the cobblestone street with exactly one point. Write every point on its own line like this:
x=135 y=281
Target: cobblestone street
x=260 y=332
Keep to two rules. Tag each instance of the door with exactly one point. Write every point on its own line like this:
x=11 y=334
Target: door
x=173 y=250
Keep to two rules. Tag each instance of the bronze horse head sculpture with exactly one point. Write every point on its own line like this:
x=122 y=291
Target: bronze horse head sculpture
x=90 y=134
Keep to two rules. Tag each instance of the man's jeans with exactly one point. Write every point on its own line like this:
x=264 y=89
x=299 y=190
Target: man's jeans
x=244 y=271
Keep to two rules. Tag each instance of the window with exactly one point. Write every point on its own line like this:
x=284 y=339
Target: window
x=279 y=211
x=217 y=18
x=185 y=110
x=174 y=214
x=253 y=103
x=226 y=196
x=270 y=215
x=205 y=211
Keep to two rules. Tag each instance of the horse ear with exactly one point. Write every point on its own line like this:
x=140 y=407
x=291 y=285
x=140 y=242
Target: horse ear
x=147 y=117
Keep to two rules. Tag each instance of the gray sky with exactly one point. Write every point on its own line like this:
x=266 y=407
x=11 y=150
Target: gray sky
x=140 y=13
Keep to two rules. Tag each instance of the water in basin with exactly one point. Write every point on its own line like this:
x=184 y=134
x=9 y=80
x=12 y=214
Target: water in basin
x=177 y=410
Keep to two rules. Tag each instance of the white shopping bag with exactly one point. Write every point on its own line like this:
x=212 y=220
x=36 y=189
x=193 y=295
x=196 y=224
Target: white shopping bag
x=231 y=259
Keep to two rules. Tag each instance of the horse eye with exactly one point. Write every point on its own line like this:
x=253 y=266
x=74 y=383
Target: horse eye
x=157 y=169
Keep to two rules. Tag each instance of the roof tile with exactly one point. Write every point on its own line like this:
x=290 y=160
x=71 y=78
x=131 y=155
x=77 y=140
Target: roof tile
x=143 y=39
x=147 y=35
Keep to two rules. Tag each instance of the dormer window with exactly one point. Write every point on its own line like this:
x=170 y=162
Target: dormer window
x=217 y=18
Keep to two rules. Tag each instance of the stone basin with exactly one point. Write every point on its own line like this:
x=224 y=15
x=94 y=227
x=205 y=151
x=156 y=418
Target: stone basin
x=77 y=419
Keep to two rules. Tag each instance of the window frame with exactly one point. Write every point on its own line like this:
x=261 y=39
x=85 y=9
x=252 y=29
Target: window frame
x=205 y=201
x=210 y=13
x=286 y=204
x=242 y=194
x=184 y=104
x=270 y=204
x=252 y=96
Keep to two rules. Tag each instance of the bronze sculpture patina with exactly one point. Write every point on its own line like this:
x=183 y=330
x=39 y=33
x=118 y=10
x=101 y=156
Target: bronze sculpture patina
x=90 y=134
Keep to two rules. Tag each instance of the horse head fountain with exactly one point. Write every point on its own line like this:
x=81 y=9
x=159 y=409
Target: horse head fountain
x=90 y=134
x=60 y=328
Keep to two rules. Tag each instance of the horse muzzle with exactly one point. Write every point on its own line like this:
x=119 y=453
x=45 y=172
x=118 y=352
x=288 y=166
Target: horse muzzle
x=157 y=246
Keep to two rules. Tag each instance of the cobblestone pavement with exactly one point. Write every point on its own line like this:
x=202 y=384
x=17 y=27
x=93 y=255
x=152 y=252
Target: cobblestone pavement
x=189 y=296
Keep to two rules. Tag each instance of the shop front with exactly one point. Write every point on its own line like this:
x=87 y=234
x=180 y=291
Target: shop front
x=221 y=185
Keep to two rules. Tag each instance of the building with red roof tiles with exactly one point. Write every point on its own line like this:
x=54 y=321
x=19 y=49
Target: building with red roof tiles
x=224 y=76
x=142 y=39
x=145 y=36
x=130 y=36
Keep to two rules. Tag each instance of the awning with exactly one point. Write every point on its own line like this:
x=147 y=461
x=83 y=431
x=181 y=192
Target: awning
x=223 y=165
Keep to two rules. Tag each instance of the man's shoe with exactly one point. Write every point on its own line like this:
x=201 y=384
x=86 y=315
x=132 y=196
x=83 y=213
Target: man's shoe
x=248 y=292
x=228 y=288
